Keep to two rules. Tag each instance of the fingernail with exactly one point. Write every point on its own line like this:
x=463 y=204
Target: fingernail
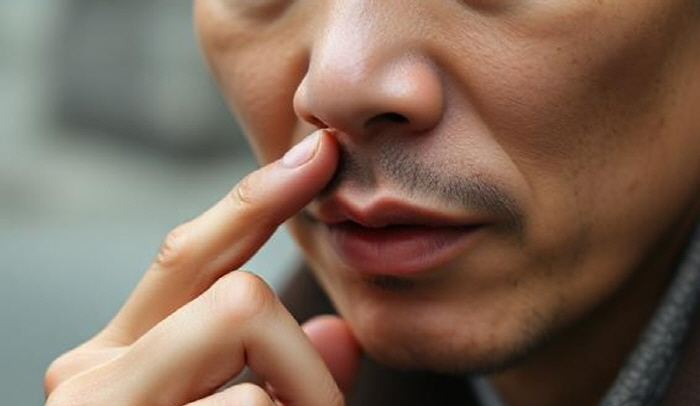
x=302 y=152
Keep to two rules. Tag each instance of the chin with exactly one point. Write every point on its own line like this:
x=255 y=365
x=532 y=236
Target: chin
x=421 y=342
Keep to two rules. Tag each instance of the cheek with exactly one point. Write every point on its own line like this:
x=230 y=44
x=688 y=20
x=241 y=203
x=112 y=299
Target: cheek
x=573 y=81
x=578 y=113
x=262 y=106
x=562 y=102
x=258 y=86
x=261 y=100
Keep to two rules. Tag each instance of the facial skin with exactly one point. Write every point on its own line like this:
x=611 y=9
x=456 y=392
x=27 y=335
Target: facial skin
x=581 y=114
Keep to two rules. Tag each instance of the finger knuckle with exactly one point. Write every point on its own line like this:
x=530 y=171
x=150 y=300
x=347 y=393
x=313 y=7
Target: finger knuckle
x=175 y=247
x=53 y=375
x=68 y=395
x=241 y=296
x=242 y=194
x=59 y=370
x=72 y=379
x=246 y=200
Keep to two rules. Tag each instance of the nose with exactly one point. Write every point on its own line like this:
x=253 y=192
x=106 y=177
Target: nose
x=364 y=76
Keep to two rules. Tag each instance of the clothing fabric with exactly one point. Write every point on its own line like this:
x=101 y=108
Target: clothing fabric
x=484 y=392
x=644 y=378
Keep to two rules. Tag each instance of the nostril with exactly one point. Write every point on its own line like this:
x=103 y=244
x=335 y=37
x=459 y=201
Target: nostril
x=320 y=124
x=387 y=117
x=394 y=118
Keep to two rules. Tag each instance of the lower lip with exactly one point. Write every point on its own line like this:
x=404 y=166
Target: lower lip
x=398 y=250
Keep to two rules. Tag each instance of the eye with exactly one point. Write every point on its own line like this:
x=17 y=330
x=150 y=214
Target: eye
x=258 y=9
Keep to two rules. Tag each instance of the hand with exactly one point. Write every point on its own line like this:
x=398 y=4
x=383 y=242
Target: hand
x=191 y=324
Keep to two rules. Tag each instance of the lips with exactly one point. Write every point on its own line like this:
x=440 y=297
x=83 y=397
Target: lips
x=393 y=237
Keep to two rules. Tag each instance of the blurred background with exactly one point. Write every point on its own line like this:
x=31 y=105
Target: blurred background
x=111 y=133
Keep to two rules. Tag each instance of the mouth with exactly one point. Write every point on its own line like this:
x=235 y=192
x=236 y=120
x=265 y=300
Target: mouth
x=389 y=237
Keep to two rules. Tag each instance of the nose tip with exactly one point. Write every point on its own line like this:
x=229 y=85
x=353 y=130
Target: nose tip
x=406 y=95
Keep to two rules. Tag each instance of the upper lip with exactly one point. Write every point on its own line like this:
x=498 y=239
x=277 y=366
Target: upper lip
x=386 y=212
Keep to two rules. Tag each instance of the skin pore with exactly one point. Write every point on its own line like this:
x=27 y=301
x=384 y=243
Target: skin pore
x=580 y=114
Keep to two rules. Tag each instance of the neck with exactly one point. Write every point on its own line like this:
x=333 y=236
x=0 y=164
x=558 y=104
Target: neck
x=577 y=367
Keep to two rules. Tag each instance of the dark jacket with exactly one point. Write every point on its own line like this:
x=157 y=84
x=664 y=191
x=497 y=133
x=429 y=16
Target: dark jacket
x=380 y=386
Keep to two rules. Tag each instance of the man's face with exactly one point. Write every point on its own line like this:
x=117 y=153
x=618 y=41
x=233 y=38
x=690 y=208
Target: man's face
x=507 y=164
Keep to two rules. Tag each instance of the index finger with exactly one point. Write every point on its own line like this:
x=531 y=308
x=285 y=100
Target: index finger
x=224 y=237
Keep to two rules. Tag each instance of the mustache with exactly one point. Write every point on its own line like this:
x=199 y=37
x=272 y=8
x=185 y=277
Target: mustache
x=473 y=192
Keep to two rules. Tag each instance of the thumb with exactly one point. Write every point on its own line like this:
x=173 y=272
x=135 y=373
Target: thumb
x=338 y=347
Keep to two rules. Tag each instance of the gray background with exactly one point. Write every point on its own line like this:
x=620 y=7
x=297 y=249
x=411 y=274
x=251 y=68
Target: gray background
x=111 y=133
